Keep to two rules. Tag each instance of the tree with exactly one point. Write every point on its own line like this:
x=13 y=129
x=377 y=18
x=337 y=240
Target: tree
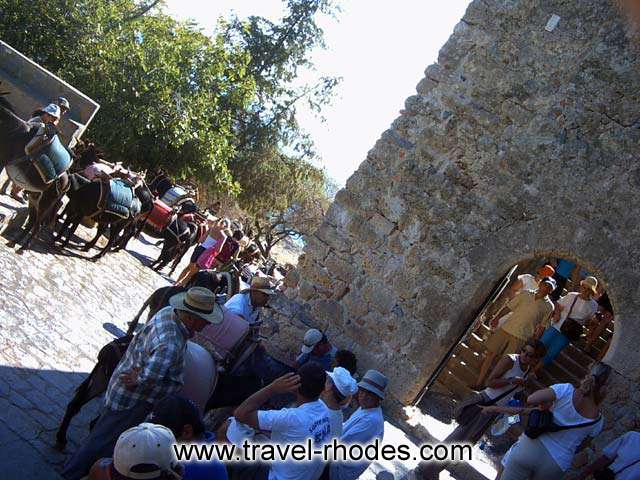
x=274 y=162
x=293 y=202
x=268 y=129
x=168 y=93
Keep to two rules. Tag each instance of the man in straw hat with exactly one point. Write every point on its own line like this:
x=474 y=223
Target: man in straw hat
x=575 y=307
x=150 y=370
x=247 y=303
x=364 y=426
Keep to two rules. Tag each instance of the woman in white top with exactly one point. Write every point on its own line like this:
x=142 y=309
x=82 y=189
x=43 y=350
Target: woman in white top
x=507 y=378
x=549 y=455
x=579 y=306
x=215 y=234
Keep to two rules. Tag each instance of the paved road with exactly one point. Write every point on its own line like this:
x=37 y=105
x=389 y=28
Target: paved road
x=56 y=311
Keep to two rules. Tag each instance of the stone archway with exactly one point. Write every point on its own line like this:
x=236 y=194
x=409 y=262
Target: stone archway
x=520 y=141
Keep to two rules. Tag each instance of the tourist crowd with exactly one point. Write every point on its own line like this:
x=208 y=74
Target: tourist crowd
x=540 y=319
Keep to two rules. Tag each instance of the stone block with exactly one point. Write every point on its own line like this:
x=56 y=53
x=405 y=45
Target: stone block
x=340 y=268
x=327 y=311
x=379 y=296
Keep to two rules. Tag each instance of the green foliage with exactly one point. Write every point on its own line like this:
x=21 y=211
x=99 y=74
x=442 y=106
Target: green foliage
x=220 y=108
x=274 y=159
x=168 y=93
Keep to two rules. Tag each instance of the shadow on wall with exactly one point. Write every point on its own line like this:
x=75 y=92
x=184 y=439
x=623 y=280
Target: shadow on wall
x=32 y=404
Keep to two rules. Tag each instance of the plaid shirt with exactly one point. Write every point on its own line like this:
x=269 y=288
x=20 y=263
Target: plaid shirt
x=158 y=352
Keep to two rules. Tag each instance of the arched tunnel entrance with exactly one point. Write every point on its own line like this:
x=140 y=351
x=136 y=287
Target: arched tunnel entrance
x=457 y=375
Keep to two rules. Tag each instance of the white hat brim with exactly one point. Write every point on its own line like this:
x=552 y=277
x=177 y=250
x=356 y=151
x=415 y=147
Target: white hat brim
x=307 y=348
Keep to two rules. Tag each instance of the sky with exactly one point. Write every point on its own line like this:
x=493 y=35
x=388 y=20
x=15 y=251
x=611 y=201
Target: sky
x=379 y=48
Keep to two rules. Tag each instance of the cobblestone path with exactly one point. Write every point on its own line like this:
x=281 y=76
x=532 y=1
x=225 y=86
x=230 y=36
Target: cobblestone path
x=57 y=310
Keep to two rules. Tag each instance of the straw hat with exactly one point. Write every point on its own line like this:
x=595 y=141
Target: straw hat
x=260 y=284
x=199 y=301
x=591 y=284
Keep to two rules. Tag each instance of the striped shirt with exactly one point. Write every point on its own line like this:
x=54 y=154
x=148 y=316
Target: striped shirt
x=157 y=352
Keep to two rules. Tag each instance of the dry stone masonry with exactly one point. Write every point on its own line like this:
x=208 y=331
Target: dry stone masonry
x=523 y=140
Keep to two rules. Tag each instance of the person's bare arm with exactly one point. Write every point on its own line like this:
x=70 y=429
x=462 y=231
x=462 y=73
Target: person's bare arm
x=598 y=464
x=546 y=395
x=502 y=367
x=247 y=412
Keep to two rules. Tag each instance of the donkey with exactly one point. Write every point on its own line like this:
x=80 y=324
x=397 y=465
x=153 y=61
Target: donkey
x=109 y=356
x=178 y=237
x=85 y=201
x=145 y=200
x=43 y=197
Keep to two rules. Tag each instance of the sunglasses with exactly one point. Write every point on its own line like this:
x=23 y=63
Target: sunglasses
x=529 y=353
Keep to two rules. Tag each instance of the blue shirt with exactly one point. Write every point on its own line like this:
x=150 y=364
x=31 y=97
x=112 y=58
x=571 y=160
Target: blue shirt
x=565 y=267
x=212 y=470
x=364 y=426
x=241 y=305
x=325 y=360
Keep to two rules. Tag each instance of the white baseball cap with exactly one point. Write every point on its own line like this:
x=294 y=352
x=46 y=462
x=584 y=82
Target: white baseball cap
x=311 y=339
x=145 y=452
x=343 y=381
x=52 y=109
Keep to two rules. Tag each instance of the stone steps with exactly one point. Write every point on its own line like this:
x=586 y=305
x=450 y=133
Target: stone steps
x=463 y=366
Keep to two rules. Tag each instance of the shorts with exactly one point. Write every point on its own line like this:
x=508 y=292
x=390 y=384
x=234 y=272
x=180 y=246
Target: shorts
x=196 y=253
x=500 y=342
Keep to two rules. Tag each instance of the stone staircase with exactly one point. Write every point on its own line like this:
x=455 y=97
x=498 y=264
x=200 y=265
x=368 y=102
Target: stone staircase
x=464 y=364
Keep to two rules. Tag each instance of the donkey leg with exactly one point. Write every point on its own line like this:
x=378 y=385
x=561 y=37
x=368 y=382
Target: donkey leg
x=71 y=229
x=73 y=407
x=89 y=245
x=46 y=203
x=112 y=239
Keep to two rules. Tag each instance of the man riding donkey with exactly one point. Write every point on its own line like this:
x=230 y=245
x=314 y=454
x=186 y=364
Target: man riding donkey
x=46 y=121
x=151 y=370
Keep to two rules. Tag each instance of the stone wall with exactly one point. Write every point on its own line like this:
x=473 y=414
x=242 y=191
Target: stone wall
x=519 y=142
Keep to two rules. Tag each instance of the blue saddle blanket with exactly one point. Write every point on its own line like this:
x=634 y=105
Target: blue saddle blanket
x=120 y=198
x=52 y=161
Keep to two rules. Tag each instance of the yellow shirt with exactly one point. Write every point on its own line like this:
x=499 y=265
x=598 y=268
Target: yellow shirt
x=526 y=314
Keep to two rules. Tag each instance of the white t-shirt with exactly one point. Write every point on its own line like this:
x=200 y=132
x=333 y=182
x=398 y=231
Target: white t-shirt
x=363 y=427
x=528 y=282
x=295 y=425
x=335 y=418
x=582 y=311
x=562 y=445
x=626 y=450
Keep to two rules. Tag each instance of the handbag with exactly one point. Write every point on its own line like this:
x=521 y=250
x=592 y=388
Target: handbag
x=608 y=474
x=570 y=328
x=470 y=412
x=542 y=421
